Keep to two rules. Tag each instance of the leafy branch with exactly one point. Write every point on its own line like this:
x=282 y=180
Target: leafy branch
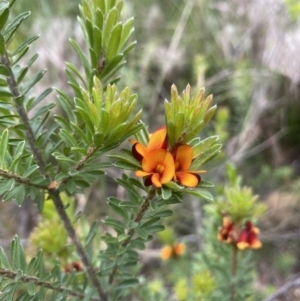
x=20 y=180
x=37 y=282
x=137 y=219
x=53 y=193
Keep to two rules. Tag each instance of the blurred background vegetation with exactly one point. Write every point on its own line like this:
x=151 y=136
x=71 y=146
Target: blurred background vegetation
x=246 y=53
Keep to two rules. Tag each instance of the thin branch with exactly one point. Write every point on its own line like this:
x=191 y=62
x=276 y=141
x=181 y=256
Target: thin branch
x=13 y=87
x=54 y=194
x=284 y=289
x=91 y=151
x=19 y=179
x=138 y=217
x=72 y=234
x=26 y=279
x=234 y=263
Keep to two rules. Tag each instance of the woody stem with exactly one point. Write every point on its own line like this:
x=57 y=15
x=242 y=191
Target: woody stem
x=234 y=263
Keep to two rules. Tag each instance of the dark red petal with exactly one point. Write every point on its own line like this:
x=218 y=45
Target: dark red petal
x=135 y=153
x=148 y=181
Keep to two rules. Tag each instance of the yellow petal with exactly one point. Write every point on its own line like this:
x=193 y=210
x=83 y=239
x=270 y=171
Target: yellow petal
x=158 y=140
x=155 y=179
x=183 y=157
x=169 y=170
x=140 y=173
x=187 y=179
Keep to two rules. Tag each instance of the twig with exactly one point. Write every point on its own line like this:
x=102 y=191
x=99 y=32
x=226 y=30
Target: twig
x=25 y=278
x=17 y=178
x=233 y=272
x=13 y=87
x=137 y=219
x=72 y=234
x=284 y=289
x=54 y=194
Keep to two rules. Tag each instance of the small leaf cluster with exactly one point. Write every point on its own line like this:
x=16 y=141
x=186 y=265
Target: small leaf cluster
x=106 y=37
x=19 y=174
x=186 y=116
x=100 y=122
x=22 y=281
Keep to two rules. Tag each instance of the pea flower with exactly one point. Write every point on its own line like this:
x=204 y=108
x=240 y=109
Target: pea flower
x=248 y=237
x=157 y=140
x=158 y=166
x=226 y=232
x=174 y=251
x=183 y=156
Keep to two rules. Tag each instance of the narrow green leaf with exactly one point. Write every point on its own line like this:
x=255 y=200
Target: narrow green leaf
x=108 y=26
x=4 y=5
x=127 y=283
x=97 y=38
x=82 y=57
x=4 y=263
x=201 y=193
x=3 y=17
x=154 y=228
x=114 y=42
x=68 y=138
x=2 y=44
x=132 y=225
x=22 y=74
x=43 y=110
x=16 y=22
x=120 y=211
x=129 y=47
x=30 y=170
x=117 y=225
x=3 y=148
x=123 y=237
x=150 y=222
x=33 y=81
x=142 y=233
x=127 y=31
x=6 y=185
x=92 y=233
x=166 y=193
x=30 y=288
x=5 y=92
x=38 y=99
x=77 y=73
x=25 y=44
x=33 y=59
x=4 y=71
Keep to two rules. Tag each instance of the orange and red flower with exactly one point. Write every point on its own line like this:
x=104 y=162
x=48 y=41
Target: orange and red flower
x=248 y=237
x=157 y=140
x=242 y=238
x=183 y=157
x=158 y=166
x=174 y=251
x=226 y=232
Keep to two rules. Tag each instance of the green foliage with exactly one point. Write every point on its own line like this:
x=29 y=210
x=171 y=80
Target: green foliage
x=48 y=160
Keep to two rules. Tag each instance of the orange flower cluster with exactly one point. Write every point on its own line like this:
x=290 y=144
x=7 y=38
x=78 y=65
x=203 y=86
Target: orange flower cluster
x=171 y=252
x=160 y=165
x=243 y=238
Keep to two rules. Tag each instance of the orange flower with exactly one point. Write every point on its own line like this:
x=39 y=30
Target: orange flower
x=226 y=232
x=174 y=251
x=157 y=140
x=183 y=157
x=248 y=237
x=158 y=166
